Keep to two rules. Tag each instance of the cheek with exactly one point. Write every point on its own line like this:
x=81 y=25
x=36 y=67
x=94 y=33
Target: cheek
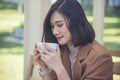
x=68 y=35
x=68 y=32
x=52 y=31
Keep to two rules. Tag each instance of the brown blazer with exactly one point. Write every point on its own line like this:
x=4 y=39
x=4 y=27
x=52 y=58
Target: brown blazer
x=93 y=63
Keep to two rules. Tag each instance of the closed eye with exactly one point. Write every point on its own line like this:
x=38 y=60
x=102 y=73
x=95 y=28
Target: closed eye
x=60 y=25
x=52 y=27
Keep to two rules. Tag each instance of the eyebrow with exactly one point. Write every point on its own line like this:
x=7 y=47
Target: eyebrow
x=57 y=21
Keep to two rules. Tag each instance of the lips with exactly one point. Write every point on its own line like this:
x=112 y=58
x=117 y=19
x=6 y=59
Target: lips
x=59 y=38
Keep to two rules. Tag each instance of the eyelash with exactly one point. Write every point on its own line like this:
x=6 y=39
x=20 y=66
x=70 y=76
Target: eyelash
x=60 y=25
x=52 y=26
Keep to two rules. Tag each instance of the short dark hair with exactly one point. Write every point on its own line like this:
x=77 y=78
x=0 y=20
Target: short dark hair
x=81 y=31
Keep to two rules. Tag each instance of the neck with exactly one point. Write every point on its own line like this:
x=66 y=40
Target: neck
x=73 y=49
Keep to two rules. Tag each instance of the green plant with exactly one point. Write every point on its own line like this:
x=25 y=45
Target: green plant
x=7 y=5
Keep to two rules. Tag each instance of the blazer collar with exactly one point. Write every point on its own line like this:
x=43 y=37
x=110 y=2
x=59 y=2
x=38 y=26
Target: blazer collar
x=82 y=54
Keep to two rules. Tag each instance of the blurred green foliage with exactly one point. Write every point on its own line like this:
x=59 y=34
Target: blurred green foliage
x=109 y=10
x=7 y=5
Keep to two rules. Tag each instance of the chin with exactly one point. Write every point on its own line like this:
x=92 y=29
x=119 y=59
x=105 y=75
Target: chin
x=61 y=43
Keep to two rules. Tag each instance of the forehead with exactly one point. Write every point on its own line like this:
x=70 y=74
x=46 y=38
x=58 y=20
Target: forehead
x=56 y=16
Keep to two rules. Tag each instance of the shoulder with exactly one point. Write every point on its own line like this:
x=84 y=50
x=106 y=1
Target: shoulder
x=97 y=49
x=98 y=54
x=98 y=62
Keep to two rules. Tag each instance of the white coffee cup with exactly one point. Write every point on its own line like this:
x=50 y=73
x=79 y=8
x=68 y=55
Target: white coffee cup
x=52 y=45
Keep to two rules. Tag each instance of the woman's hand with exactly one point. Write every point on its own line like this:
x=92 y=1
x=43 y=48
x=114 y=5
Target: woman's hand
x=51 y=57
x=37 y=57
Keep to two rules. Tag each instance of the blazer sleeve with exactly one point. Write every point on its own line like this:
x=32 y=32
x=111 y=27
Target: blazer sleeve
x=101 y=68
x=53 y=75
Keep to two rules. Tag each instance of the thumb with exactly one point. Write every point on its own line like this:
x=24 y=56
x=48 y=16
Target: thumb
x=58 y=49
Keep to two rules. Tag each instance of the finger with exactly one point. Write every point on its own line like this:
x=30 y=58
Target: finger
x=43 y=59
x=58 y=50
x=35 y=45
x=41 y=50
x=44 y=50
x=35 y=49
x=48 y=47
x=43 y=56
x=39 y=60
x=35 y=52
x=37 y=56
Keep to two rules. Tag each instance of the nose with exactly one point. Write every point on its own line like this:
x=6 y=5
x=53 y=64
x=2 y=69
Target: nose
x=55 y=31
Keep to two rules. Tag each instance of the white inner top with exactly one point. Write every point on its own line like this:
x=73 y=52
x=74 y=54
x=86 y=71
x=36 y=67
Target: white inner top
x=73 y=56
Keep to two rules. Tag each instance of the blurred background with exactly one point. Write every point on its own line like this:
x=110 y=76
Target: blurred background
x=12 y=26
x=11 y=39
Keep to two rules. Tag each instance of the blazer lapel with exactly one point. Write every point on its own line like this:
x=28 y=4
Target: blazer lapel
x=66 y=61
x=82 y=54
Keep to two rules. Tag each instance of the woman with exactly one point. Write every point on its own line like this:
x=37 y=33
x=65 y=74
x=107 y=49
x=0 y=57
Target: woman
x=79 y=56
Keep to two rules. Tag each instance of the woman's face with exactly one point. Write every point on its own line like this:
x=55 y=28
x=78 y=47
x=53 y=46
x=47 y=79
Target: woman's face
x=60 y=29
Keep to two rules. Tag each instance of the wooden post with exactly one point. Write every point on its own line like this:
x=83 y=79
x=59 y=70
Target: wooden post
x=35 y=11
x=98 y=15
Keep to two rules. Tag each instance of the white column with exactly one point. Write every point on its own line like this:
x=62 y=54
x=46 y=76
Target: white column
x=98 y=23
x=35 y=11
